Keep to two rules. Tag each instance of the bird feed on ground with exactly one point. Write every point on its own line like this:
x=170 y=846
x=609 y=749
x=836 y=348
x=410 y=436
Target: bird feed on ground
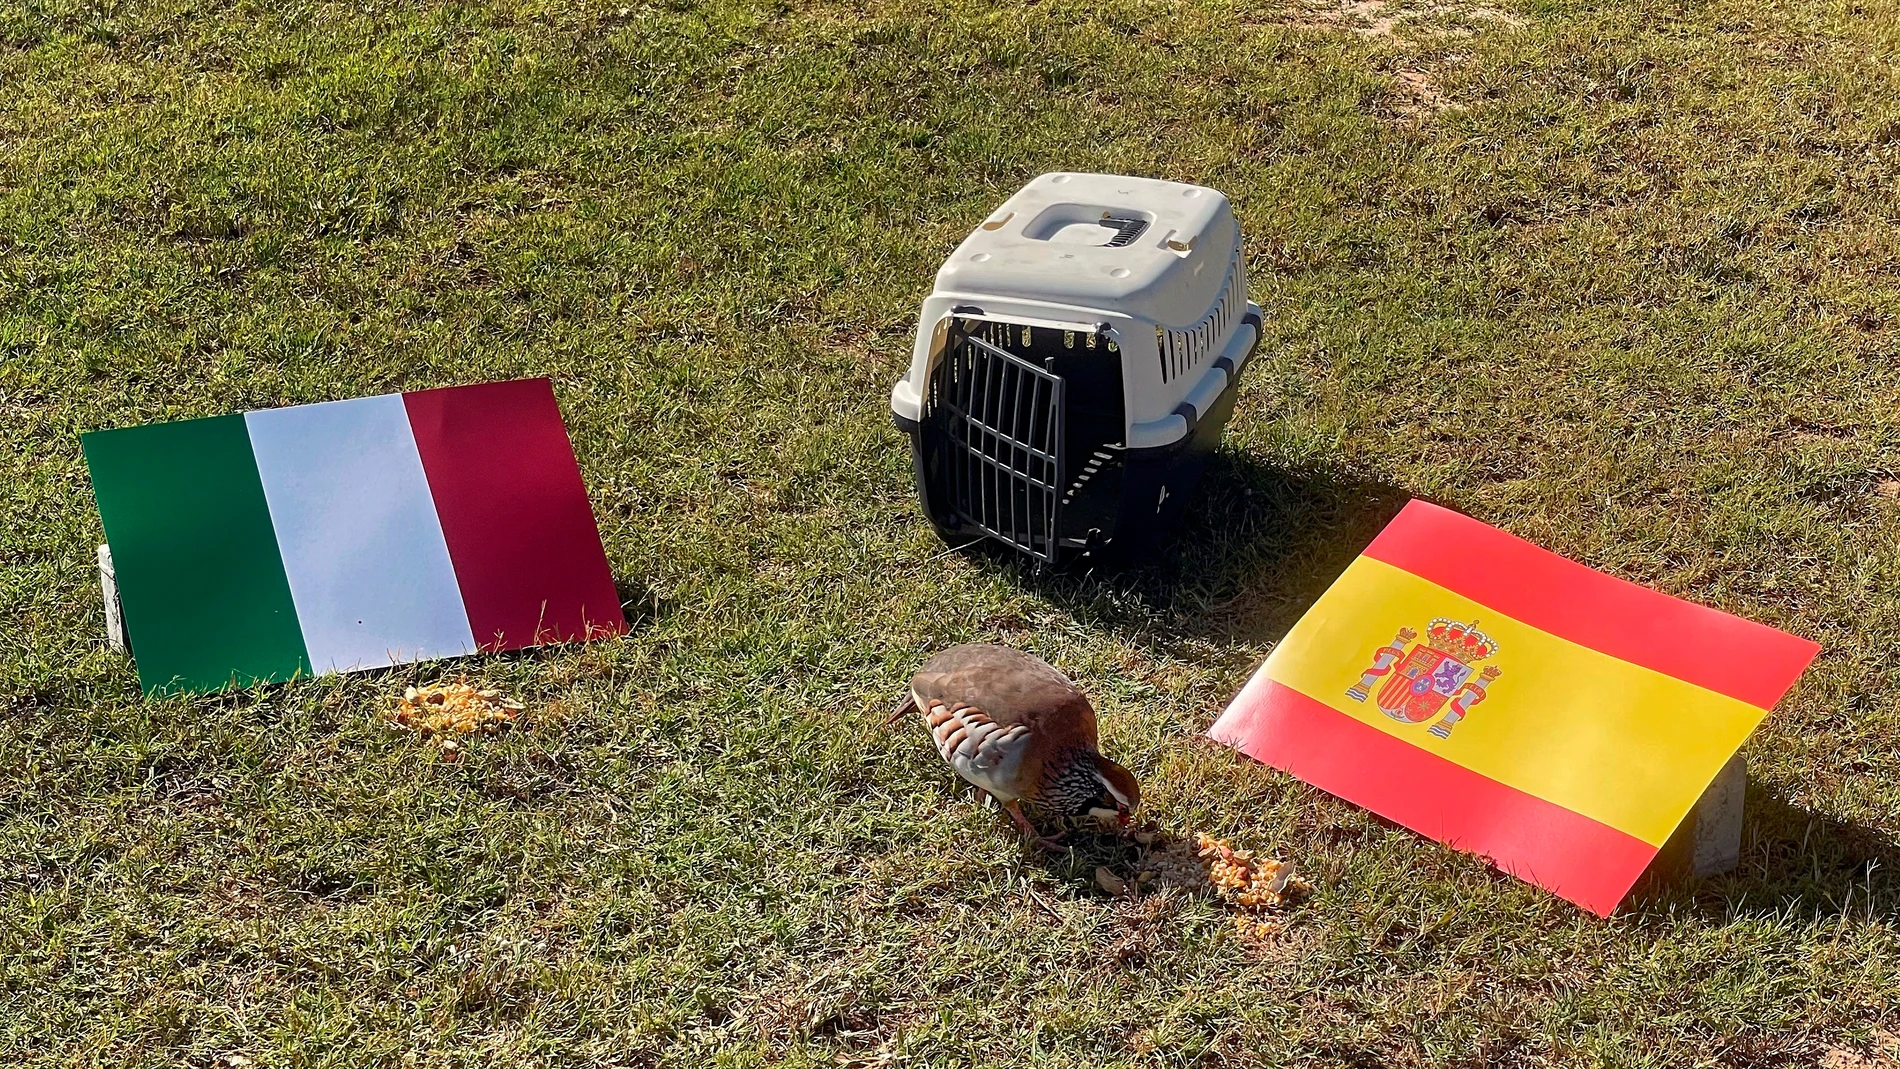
x=440 y=712
x=1205 y=862
x=1245 y=879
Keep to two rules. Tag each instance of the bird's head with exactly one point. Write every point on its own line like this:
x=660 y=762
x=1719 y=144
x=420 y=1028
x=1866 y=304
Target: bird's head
x=1120 y=794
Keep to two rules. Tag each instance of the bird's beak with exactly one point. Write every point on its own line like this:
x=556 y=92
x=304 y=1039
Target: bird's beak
x=1124 y=818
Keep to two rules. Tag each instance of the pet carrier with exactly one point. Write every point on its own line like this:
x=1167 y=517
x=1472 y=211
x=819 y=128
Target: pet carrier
x=1075 y=364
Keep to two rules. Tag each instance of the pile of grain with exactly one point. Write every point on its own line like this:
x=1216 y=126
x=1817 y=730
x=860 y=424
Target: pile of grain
x=1207 y=863
x=1169 y=862
x=1245 y=879
x=441 y=711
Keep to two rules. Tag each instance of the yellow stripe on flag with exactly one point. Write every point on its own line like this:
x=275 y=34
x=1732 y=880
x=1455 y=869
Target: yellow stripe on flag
x=1618 y=743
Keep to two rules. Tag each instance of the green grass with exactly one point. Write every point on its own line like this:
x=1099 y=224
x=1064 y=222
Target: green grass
x=1631 y=296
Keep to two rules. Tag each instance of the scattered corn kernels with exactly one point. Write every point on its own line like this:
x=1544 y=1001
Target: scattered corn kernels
x=1245 y=879
x=1207 y=862
x=1252 y=927
x=441 y=711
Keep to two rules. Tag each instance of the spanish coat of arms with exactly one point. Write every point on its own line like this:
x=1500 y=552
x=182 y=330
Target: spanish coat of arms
x=1430 y=677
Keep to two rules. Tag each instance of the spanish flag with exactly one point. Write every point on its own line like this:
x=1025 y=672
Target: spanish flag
x=1506 y=701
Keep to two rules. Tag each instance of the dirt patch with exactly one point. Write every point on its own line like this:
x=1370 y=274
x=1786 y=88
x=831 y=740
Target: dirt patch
x=1416 y=95
x=1385 y=18
x=1885 y=1055
x=1369 y=18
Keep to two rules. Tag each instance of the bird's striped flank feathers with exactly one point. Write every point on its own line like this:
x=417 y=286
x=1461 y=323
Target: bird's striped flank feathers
x=1020 y=730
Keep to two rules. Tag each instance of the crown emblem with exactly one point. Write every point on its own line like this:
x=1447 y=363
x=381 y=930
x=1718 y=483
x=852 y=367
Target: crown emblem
x=1415 y=680
x=1461 y=640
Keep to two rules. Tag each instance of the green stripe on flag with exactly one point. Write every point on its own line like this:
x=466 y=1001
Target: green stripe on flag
x=206 y=601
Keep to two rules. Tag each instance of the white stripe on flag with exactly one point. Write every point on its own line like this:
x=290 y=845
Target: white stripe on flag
x=369 y=571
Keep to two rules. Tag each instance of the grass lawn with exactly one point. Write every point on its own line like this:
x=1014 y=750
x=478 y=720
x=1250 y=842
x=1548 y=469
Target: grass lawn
x=1620 y=277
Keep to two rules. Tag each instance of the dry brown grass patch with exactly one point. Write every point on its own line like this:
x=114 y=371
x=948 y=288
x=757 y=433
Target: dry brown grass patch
x=1387 y=18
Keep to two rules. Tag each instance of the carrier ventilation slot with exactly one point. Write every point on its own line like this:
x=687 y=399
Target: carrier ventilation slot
x=1183 y=350
x=1126 y=231
x=1098 y=461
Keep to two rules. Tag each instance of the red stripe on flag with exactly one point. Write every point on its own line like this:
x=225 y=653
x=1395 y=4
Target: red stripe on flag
x=514 y=512
x=1696 y=644
x=1577 y=858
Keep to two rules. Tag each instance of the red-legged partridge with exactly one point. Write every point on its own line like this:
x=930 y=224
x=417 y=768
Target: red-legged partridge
x=1019 y=730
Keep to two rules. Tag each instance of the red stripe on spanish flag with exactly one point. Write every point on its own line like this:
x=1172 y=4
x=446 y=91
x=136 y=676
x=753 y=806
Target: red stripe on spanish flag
x=1588 y=863
x=1727 y=654
x=1507 y=701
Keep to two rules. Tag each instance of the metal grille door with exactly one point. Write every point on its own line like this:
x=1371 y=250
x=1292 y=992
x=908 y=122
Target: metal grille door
x=1001 y=421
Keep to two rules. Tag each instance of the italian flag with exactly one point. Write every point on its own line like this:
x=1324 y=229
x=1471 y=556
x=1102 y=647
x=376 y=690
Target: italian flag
x=1503 y=700
x=350 y=535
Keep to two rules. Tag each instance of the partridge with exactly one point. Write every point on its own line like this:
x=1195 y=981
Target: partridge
x=1020 y=731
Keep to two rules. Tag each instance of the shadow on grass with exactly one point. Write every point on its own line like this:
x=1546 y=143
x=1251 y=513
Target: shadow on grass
x=1086 y=849
x=1793 y=860
x=641 y=603
x=1257 y=545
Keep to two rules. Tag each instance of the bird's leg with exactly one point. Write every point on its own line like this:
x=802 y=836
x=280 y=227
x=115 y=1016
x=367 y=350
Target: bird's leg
x=983 y=797
x=1015 y=810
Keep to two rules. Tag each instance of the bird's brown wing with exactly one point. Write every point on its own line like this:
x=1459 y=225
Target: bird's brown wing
x=1010 y=688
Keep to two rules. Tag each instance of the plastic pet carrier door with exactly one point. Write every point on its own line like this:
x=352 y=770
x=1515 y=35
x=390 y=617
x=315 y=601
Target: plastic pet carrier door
x=1075 y=364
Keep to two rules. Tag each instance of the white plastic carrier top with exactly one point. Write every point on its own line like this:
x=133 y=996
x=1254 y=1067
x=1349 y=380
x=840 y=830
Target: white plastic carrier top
x=1154 y=264
x=1056 y=241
